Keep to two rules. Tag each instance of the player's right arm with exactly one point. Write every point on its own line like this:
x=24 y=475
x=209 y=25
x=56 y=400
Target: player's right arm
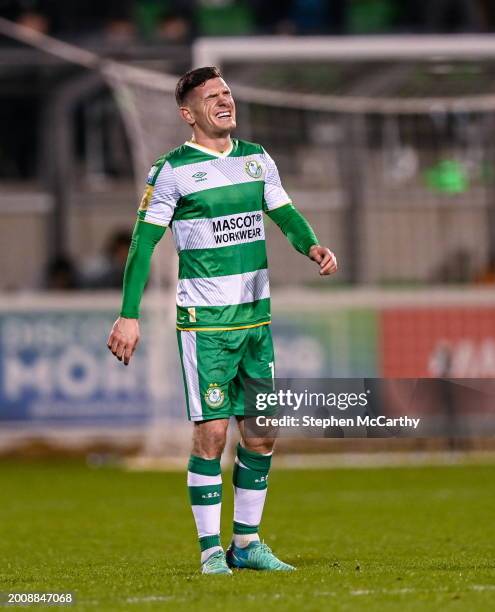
x=154 y=214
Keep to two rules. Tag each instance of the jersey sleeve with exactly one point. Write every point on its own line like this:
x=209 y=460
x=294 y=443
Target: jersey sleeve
x=295 y=227
x=156 y=210
x=144 y=239
x=274 y=194
x=160 y=196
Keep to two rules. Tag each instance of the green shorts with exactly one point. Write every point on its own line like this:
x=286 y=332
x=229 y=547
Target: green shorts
x=215 y=365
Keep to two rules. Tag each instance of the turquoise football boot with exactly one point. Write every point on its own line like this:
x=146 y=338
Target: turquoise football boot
x=258 y=556
x=216 y=564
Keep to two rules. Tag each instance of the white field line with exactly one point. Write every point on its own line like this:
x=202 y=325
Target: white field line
x=354 y=593
x=482 y=587
x=404 y=590
x=150 y=598
x=366 y=460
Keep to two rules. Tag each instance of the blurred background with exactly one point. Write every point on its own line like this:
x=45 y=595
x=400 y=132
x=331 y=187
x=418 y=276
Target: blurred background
x=381 y=117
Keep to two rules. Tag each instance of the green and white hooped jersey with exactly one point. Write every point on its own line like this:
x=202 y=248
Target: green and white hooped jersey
x=214 y=203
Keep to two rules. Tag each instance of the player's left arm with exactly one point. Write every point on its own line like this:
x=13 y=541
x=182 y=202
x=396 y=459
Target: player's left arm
x=293 y=224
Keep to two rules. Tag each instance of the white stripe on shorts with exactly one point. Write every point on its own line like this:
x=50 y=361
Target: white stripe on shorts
x=190 y=363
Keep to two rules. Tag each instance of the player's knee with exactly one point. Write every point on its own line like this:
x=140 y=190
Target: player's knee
x=261 y=446
x=209 y=442
x=216 y=442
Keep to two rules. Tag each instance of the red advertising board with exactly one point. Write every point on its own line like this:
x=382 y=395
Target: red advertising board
x=441 y=341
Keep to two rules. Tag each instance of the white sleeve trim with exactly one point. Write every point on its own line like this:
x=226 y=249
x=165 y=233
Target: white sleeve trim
x=275 y=195
x=164 y=197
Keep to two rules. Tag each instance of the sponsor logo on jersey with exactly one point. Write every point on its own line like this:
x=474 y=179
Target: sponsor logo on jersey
x=146 y=199
x=199 y=176
x=238 y=228
x=214 y=396
x=253 y=168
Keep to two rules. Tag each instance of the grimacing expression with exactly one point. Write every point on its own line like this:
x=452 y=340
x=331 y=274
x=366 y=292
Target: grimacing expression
x=211 y=107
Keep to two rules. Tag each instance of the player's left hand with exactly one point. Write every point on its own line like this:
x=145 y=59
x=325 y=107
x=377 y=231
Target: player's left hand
x=324 y=257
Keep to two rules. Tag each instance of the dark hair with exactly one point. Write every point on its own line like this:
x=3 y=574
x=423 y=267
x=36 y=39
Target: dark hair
x=192 y=79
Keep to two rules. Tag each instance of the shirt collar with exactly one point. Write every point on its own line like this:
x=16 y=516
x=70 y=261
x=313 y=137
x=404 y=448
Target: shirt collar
x=199 y=147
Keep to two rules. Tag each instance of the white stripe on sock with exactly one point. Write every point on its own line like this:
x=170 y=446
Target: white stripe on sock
x=245 y=539
x=205 y=554
x=207 y=519
x=200 y=480
x=248 y=505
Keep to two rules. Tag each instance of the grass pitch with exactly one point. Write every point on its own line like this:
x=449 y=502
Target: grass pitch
x=377 y=539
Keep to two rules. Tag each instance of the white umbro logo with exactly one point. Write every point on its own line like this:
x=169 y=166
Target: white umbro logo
x=199 y=176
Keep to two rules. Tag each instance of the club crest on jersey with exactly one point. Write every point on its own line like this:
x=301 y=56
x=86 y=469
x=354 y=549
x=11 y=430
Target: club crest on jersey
x=253 y=168
x=214 y=396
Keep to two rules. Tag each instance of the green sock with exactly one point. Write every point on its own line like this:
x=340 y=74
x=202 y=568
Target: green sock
x=250 y=480
x=204 y=481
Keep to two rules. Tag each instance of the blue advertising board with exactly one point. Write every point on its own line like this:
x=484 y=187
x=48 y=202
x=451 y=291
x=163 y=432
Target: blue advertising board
x=55 y=366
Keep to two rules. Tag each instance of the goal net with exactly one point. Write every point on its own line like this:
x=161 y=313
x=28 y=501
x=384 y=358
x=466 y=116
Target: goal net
x=397 y=132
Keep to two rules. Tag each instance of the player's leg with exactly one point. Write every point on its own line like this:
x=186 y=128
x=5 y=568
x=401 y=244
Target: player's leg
x=252 y=466
x=254 y=455
x=250 y=480
x=204 y=481
x=251 y=469
x=207 y=373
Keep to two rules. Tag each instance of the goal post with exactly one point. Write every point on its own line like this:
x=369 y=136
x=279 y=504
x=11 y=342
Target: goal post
x=214 y=50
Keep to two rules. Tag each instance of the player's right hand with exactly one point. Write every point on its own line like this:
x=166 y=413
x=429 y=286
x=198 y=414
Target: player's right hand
x=124 y=338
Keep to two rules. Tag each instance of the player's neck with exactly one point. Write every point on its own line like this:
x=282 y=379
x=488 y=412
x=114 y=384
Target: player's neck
x=219 y=144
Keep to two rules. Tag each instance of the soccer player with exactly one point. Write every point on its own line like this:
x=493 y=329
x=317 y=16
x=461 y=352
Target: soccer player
x=212 y=191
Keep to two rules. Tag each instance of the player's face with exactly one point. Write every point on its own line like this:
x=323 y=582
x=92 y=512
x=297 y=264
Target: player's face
x=212 y=108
